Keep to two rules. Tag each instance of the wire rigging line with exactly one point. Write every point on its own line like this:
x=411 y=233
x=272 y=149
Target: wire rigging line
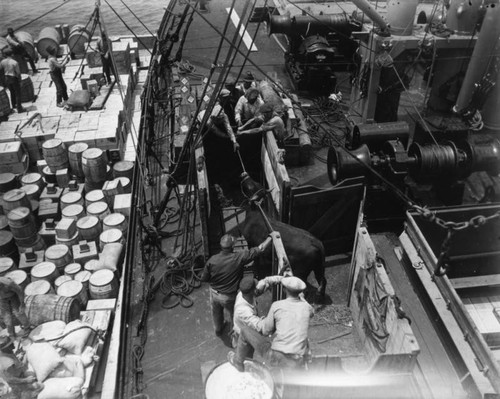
x=138 y=19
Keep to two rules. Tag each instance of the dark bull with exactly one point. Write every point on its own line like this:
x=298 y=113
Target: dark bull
x=304 y=251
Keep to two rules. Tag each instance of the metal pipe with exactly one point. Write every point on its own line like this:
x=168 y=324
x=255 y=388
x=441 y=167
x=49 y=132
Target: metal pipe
x=371 y=13
x=479 y=62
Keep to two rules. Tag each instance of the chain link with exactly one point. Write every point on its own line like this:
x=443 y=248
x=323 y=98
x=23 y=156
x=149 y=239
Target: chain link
x=443 y=263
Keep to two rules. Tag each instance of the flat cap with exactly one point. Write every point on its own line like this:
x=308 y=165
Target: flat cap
x=225 y=93
x=293 y=284
x=247 y=284
x=249 y=77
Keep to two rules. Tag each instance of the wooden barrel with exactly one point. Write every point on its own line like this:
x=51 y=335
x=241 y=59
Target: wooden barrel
x=115 y=221
x=38 y=245
x=4 y=222
x=60 y=280
x=123 y=169
x=110 y=236
x=4 y=102
x=44 y=271
x=6 y=265
x=90 y=185
x=94 y=164
x=71 y=198
x=28 y=43
x=78 y=37
x=43 y=308
x=23 y=226
x=8 y=182
x=73 y=212
x=33 y=178
x=7 y=245
x=74 y=289
x=72 y=269
x=69 y=242
x=32 y=191
x=48 y=37
x=75 y=152
x=39 y=287
x=103 y=285
x=55 y=154
x=20 y=277
x=59 y=254
x=35 y=205
x=126 y=184
x=14 y=199
x=99 y=209
x=89 y=228
x=93 y=265
x=49 y=176
x=94 y=196
x=83 y=277
x=27 y=89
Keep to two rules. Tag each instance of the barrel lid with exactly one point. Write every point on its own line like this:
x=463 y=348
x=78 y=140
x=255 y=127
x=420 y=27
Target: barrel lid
x=92 y=153
x=78 y=148
x=56 y=251
x=87 y=222
x=125 y=181
x=72 y=268
x=114 y=219
x=93 y=265
x=61 y=279
x=94 y=196
x=30 y=189
x=18 y=214
x=63 y=240
x=31 y=178
x=96 y=208
x=111 y=235
x=52 y=143
x=17 y=276
x=7 y=177
x=5 y=237
x=122 y=166
x=83 y=276
x=14 y=195
x=71 y=197
x=72 y=210
x=46 y=171
x=38 y=287
x=101 y=277
x=43 y=269
x=70 y=288
x=5 y=264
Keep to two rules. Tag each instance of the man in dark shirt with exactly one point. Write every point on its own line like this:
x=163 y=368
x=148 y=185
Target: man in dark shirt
x=103 y=46
x=224 y=271
x=18 y=48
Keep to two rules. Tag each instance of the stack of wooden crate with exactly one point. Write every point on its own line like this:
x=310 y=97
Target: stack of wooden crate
x=13 y=158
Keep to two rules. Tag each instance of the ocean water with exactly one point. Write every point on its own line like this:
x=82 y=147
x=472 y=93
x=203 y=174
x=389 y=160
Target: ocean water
x=16 y=13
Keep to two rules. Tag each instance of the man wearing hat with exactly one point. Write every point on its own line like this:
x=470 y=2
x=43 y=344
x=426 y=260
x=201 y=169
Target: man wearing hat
x=248 y=82
x=224 y=272
x=12 y=304
x=227 y=105
x=266 y=120
x=10 y=69
x=248 y=106
x=288 y=319
x=18 y=48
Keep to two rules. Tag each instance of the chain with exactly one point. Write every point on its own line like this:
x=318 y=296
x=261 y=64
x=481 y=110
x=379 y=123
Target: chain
x=443 y=263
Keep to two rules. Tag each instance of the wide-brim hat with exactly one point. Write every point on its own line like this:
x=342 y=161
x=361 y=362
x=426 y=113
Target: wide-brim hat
x=249 y=77
x=293 y=284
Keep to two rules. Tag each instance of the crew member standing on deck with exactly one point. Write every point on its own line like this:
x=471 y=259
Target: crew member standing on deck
x=224 y=272
x=248 y=106
x=56 y=71
x=12 y=304
x=103 y=46
x=12 y=73
x=18 y=48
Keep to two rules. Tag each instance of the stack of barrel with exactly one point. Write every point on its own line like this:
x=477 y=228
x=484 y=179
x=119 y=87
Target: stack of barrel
x=89 y=230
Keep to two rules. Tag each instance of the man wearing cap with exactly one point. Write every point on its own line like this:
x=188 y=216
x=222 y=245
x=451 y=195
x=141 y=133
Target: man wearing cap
x=56 y=73
x=12 y=304
x=267 y=120
x=10 y=68
x=227 y=105
x=224 y=272
x=248 y=82
x=18 y=48
x=288 y=319
x=248 y=106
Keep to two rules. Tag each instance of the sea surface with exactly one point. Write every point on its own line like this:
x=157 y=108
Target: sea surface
x=17 y=13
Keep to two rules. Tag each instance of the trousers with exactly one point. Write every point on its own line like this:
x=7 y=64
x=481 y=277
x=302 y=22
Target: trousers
x=61 y=90
x=14 y=85
x=220 y=302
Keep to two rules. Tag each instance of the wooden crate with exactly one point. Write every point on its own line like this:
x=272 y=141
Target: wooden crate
x=11 y=152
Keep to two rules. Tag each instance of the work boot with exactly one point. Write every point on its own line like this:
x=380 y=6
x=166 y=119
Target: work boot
x=238 y=366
